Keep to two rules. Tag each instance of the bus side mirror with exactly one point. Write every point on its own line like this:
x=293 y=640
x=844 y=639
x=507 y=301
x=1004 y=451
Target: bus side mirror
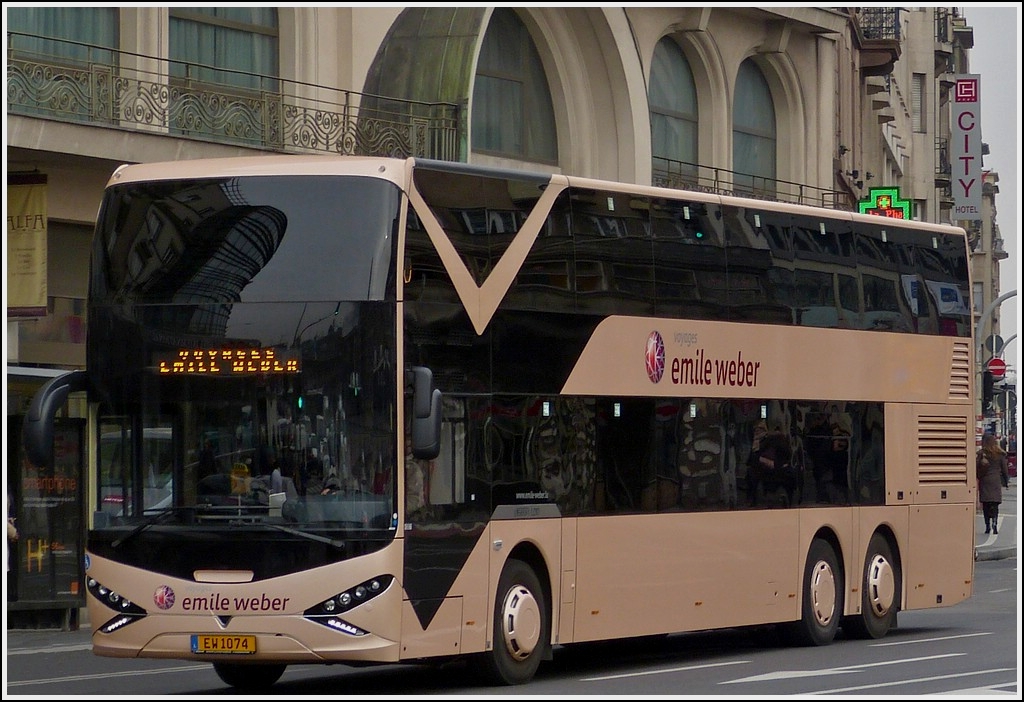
x=37 y=432
x=426 y=431
x=426 y=413
x=420 y=381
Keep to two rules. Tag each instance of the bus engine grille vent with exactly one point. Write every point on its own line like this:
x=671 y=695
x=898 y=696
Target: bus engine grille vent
x=960 y=373
x=942 y=450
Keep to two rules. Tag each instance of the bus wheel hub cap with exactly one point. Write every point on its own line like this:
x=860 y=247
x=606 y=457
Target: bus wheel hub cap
x=881 y=585
x=520 y=622
x=823 y=593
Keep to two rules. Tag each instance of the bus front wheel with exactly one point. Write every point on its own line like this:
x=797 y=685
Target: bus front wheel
x=249 y=677
x=521 y=626
x=881 y=593
x=822 y=604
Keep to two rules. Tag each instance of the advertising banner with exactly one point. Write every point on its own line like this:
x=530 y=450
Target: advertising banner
x=26 y=245
x=46 y=560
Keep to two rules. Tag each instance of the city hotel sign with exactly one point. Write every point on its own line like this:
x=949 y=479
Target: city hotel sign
x=965 y=151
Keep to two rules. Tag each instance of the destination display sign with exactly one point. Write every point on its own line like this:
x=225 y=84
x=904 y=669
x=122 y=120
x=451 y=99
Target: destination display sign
x=228 y=362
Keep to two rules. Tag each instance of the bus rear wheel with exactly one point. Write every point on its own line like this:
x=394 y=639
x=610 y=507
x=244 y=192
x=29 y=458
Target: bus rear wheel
x=249 y=677
x=521 y=626
x=881 y=587
x=822 y=604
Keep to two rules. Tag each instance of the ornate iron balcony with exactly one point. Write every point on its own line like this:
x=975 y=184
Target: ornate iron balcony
x=692 y=176
x=877 y=31
x=944 y=26
x=98 y=86
x=943 y=166
x=880 y=23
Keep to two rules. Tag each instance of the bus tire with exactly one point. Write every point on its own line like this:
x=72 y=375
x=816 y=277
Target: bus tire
x=822 y=601
x=249 y=677
x=880 y=587
x=522 y=626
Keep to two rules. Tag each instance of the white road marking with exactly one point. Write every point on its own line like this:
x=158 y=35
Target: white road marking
x=910 y=681
x=96 y=676
x=789 y=674
x=659 y=672
x=49 y=649
x=936 y=638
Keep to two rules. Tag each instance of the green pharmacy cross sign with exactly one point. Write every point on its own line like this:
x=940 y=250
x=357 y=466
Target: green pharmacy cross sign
x=885 y=202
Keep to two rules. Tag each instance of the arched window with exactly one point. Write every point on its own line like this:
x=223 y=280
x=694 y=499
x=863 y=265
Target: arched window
x=753 y=132
x=673 y=102
x=240 y=42
x=512 y=112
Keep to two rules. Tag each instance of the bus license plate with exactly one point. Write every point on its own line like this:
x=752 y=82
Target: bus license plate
x=219 y=643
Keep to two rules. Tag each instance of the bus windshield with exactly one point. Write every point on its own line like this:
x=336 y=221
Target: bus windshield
x=255 y=322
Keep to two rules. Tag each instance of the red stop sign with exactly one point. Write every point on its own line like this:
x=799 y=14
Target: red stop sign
x=997 y=367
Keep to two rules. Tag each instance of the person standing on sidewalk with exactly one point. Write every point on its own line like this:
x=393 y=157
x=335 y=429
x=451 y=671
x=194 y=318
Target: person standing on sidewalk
x=12 y=537
x=992 y=478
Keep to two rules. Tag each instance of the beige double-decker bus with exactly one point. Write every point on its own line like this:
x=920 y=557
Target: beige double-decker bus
x=412 y=411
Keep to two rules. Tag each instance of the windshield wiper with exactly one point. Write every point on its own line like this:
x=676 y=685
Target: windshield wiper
x=161 y=515
x=155 y=519
x=306 y=535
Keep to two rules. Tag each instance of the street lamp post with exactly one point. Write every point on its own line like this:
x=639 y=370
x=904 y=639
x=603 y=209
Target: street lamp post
x=1006 y=343
x=978 y=336
x=1009 y=396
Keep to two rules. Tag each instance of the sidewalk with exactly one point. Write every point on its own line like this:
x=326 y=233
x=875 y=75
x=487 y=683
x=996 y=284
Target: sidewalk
x=992 y=547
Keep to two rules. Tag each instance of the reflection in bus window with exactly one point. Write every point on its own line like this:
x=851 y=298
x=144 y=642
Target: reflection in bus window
x=118 y=454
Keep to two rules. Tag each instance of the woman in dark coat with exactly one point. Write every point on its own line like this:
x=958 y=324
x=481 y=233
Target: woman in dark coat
x=992 y=477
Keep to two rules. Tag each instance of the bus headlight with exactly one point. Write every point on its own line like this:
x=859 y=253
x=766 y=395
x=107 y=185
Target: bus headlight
x=327 y=612
x=127 y=611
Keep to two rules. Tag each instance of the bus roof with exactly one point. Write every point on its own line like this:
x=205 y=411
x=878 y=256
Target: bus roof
x=276 y=164
x=396 y=170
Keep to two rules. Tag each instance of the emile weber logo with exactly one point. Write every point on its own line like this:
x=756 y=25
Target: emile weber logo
x=164 y=598
x=694 y=366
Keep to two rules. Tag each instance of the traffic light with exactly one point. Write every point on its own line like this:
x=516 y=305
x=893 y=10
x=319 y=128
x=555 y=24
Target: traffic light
x=986 y=389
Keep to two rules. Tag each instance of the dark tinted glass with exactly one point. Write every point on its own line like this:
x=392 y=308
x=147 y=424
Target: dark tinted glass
x=247 y=239
x=689 y=259
x=614 y=258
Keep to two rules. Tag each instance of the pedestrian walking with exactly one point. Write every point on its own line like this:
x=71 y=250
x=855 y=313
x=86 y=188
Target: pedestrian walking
x=992 y=478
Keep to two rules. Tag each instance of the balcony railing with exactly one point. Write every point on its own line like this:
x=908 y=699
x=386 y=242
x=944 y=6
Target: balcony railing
x=943 y=166
x=973 y=229
x=692 y=176
x=98 y=86
x=81 y=83
x=945 y=195
x=943 y=25
x=877 y=31
x=880 y=23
